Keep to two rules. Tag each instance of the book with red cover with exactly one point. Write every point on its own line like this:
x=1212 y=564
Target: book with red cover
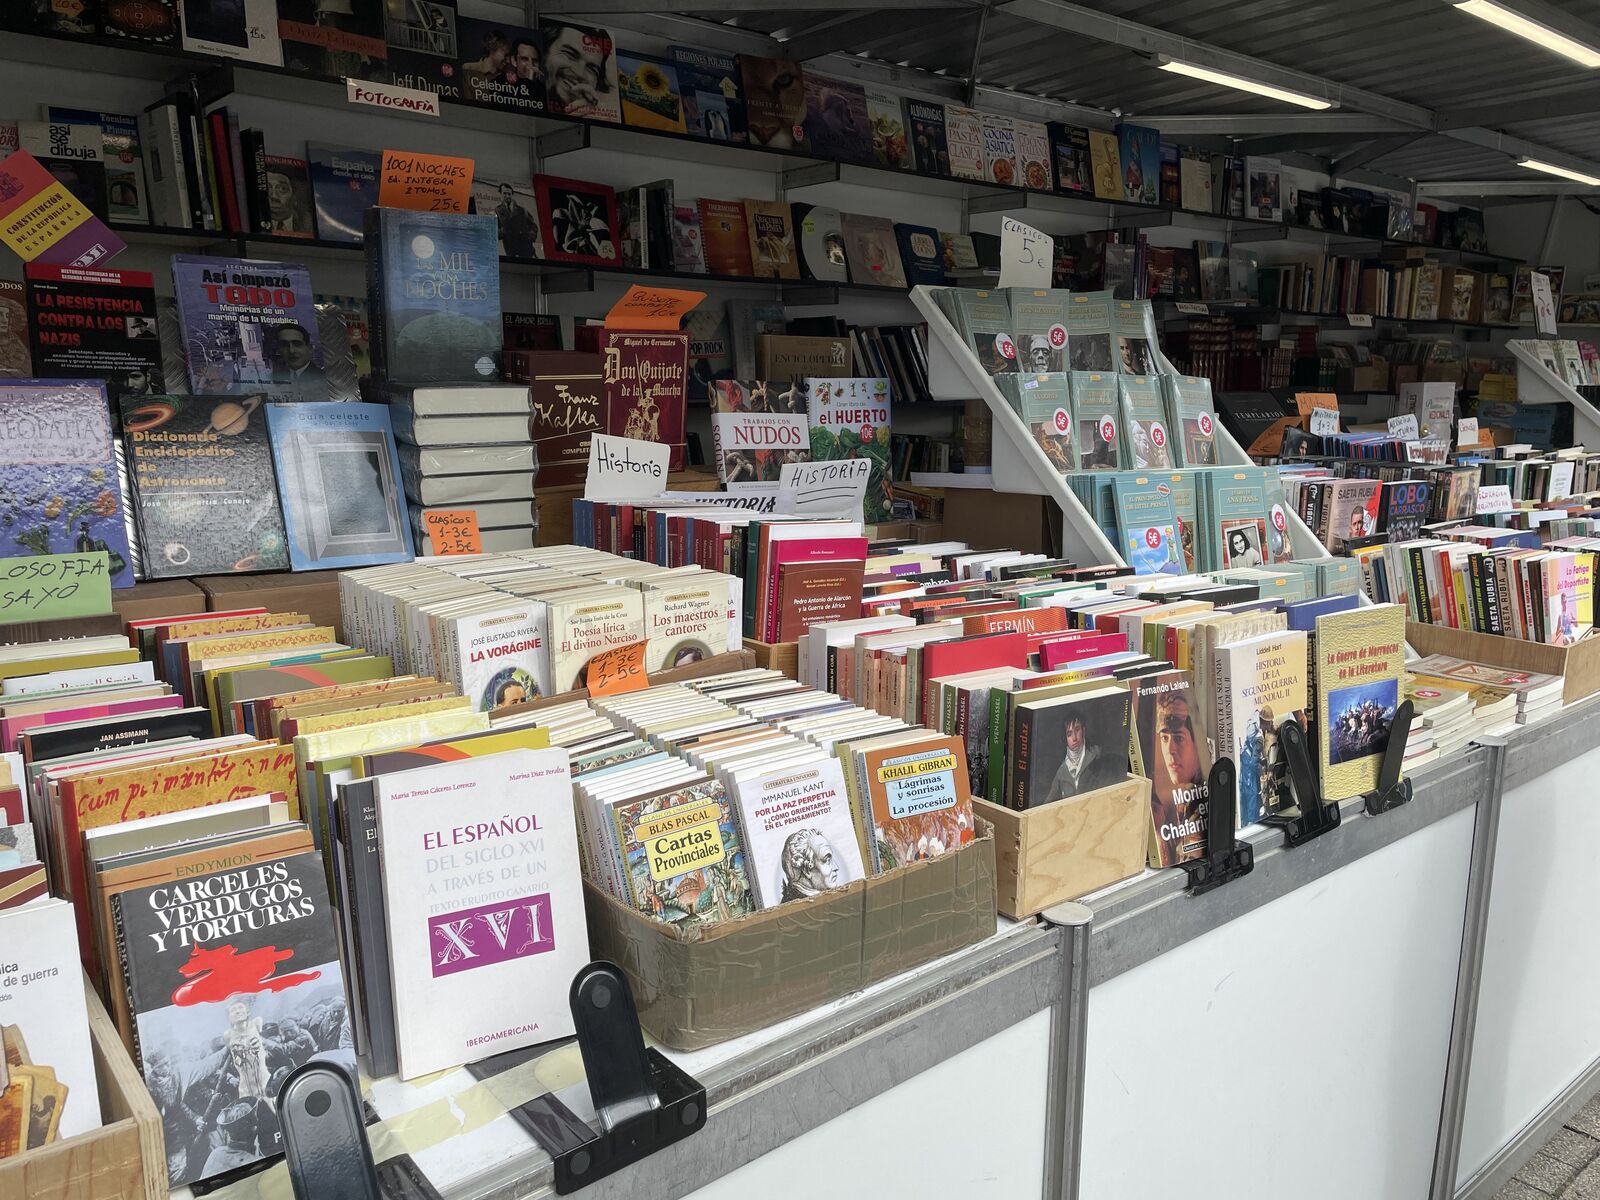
x=578 y=220
x=644 y=377
x=725 y=234
x=1037 y=623
x=1059 y=651
x=821 y=549
x=809 y=592
x=963 y=655
x=568 y=408
x=11 y=728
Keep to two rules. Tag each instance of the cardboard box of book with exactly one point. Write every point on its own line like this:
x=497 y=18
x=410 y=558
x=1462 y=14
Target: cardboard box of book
x=1578 y=665
x=704 y=986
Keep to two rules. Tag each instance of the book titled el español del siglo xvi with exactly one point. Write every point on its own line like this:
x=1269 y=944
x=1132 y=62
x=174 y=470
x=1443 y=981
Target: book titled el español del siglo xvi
x=483 y=894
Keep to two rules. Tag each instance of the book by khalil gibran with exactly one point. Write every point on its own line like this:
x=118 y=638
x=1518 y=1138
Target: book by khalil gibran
x=580 y=71
x=337 y=41
x=500 y=65
x=481 y=960
x=849 y=418
x=1360 y=657
x=95 y=324
x=433 y=283
x=919 y=804
x=204 y=494
x=644 y=376
x=1171 y=752
x=249 y=326
x=59 y=491
x=800 y=836
x=339 y=481
x=47 y=1076
x=233 y=982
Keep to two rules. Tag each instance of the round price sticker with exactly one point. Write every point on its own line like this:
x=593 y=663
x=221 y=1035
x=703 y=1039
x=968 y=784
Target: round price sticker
x=1108 y=430
x=1004 y=344
x=1427 y=694
x=1205 y=424
x=1058 y=336
x=1152 y=538
x=1158 y=435
x=868 y=433
x=1062 y=421
x=1279 y=521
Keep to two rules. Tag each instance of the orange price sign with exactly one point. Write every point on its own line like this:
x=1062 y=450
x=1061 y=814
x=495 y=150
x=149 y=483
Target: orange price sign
x=617 y=671
x=1306 y=401
x=453 y=531
x=652 y=308
x=424 y=182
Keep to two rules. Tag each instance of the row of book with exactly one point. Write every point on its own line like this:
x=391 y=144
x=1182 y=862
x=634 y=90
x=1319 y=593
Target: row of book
x=1086 y=421
x=1027 y=329
x=1573 y=362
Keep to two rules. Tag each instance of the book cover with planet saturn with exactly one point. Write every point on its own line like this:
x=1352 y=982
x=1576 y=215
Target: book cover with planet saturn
x=204 y=494
x=434 y=279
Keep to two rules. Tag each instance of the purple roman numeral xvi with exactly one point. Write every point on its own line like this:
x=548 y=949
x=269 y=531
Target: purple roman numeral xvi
x=495 y=933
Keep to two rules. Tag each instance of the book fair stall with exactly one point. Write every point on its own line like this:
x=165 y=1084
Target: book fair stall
x=654 y=604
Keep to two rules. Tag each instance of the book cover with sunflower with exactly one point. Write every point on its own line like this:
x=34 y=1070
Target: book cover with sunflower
x=59 y=492
x=650 y=95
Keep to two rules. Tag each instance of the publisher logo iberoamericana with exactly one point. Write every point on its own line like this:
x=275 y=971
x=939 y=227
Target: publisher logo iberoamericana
x=495 y=933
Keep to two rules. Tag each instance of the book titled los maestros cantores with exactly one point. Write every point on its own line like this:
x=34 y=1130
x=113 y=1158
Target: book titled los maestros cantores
x=234 y=981
x=249 y=326
x=433 y=282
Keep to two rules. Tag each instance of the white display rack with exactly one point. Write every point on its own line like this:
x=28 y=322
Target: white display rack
x=1538 y=384
x=1019 y=465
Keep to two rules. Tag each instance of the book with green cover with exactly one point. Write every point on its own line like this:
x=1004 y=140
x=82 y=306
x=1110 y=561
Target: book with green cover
x=1147 y=525
x=1133 y=324
x=1089 y=332
x=1185 y=499
x=984 y=320
x=1039 y=327
x=1144 y=416
x=1044 y=402
x=1192 y=418
x=1234 y=518
x=1097 y=419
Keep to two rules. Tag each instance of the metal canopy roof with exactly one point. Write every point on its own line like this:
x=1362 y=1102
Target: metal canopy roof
x=1423 y=92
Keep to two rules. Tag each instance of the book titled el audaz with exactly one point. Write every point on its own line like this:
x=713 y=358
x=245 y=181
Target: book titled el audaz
x=481 y=961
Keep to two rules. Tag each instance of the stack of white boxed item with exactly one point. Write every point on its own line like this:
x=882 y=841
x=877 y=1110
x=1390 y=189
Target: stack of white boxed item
x=466 y=446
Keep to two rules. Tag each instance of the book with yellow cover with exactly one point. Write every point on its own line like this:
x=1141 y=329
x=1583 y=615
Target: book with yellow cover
x=393 y=704
x=919 y=799
x=245 y=683
x=67 y=662
x=1361 y=655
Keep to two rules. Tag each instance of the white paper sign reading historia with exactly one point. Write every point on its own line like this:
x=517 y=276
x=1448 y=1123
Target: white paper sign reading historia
x=625 y=469
x=1026 y=255
x=824 y=489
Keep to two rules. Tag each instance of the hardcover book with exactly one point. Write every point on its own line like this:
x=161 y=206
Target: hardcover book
x=726 y=237
x=650 y=92
x=1074 y=165
x=752 y=447
x=344 y=184
x=775 y=101
x=204 y=494
x=773 y=253
x=433 y=282
x=963 y=132
x=886 y=119
x=1106 y=159
x=247 y=30
x=513 y=204
x=1171 y=750
x=799 y=833
x=247 y=996
x=837 y=126
x=712 y=102
x=928 y=144
x=871 y=251
x=423 y=49
x=339 y=481
x=569 y=408
x=480 y=966
x=819 y=232
x=644 y=377
x=59 y=489
x=249 y=327
x=850 y=419
x=501 y=65
x=999 y=148
x=1139 y=150
x=921 y=255
x=95 y=324
x=1032 y=142
x=919 y=804
x=341 y=44
x=578 y=220
x=580 y=71
x=1403 y=506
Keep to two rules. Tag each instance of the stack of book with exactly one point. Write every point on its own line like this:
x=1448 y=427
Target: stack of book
x=1537 y=695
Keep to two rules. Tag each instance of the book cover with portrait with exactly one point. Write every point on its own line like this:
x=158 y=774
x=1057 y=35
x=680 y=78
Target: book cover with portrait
x=1069 y=745
x=799 y=832
x=1170 y=749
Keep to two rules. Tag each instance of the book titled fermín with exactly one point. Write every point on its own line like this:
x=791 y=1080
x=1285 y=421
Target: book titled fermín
x=234 y=981
x=484 y=900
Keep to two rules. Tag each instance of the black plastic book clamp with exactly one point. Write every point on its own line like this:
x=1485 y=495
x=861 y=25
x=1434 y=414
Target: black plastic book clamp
x=1303 y=814
x=326 y=1147
x=1392 y=791
x=1225 y=857
x=644 y=1101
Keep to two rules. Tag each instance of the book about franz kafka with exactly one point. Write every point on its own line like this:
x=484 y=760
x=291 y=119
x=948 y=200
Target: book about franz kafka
x=234 y=981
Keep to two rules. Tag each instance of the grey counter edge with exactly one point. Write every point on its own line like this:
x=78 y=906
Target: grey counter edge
x=824 y=1069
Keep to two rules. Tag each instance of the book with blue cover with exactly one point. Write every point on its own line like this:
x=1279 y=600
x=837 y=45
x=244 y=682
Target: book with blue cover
x=344 y=184
x=713 y=105
x=433 y=282
x=58 y=473
x=1234 y=511
x=339 y=481
x=1139 y=147
x=249 y=328
x=1147 y=525
x=921 y=255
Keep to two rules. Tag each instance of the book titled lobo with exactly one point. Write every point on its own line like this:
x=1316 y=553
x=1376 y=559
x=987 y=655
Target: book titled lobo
x=233 y=981
x=484 y=900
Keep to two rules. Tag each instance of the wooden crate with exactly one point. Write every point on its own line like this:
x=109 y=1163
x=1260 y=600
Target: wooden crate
x=778 y=656
x=1068 y=848
x=125 y=1159
x=1578 y=666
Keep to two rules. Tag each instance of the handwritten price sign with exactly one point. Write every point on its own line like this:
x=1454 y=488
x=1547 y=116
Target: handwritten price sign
x=617 y=671
x=424 y=182
x=51 y=587
x=453 y=531
x=1026 y=255
x=652 y=308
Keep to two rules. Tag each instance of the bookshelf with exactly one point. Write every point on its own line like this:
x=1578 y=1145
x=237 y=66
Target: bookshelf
x=1537 y=384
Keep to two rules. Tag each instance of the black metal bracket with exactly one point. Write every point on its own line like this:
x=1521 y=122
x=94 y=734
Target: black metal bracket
x=644 y=1101
x=326 y=1147
x=1392 y=791
x=1225 y=857
x=1303 y=813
